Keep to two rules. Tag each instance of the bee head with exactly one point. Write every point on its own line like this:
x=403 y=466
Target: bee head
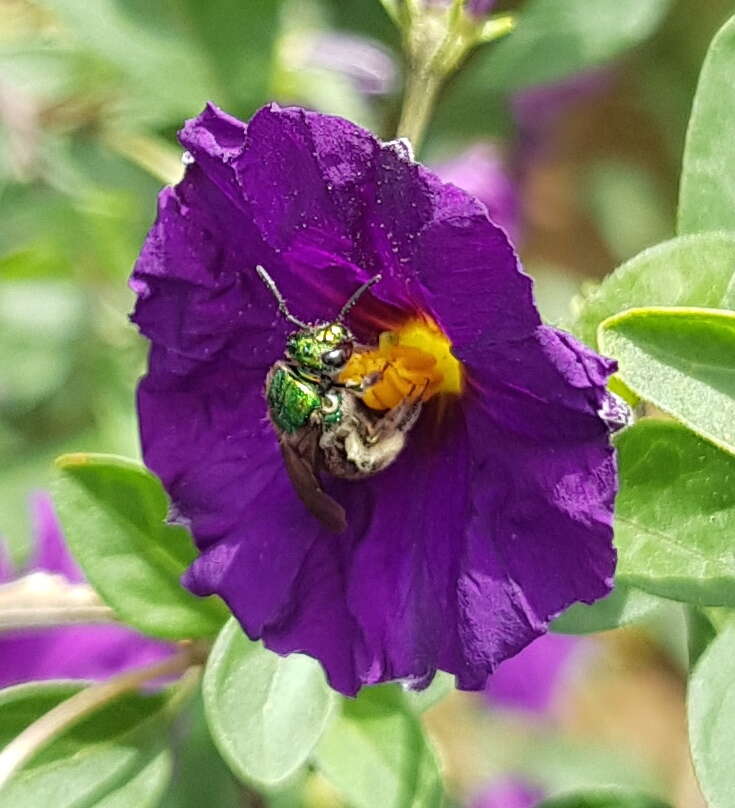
x=323 y=348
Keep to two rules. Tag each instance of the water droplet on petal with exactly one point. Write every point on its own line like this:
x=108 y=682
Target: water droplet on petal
x=187 y=158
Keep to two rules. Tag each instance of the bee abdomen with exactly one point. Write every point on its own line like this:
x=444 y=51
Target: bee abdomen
x=291 y=400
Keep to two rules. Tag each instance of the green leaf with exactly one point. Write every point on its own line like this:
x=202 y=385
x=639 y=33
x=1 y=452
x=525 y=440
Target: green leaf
x=156 y=74
x=707 y=188
x=552 y=290
x=377 y=756
x=627 y=205
x=683 y=361
x=236 y=38
x=162 y=61
x=687 y=271
x=559 y=763
x=392 y=10
x=265 y=712
x=113 y=759
x=40 y=334
x=557 y=38
x=622 y=606
x=720 y=618
x=711 y=710
x=700 y=632
x=376 y=20
x=553 y=39
x=195 y=753
x=113 y=512
x=605 y=797
x=675 y=514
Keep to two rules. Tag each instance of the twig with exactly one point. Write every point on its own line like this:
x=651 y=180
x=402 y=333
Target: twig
x=42 y=599
x=70 y=712
x=152 y=154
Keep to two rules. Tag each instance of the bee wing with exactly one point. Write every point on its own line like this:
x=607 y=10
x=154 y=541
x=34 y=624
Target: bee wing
x=299 y=457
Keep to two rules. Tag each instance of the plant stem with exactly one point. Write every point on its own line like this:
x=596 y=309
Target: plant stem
x=154 y=155
x=70 y=712
x=422 y=87
x=435 y=42
x=42 y=599
x=15 y=619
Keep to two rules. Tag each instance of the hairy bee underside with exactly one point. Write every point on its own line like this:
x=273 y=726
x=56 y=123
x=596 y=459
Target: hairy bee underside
x=326 y=428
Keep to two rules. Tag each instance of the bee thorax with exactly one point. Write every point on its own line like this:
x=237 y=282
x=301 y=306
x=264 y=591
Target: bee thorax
x=364 y=443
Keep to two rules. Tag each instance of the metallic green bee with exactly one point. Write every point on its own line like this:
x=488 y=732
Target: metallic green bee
x=323 y=425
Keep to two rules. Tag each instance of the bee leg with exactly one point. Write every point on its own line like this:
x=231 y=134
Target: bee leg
x=400 y=418
x=359 y=387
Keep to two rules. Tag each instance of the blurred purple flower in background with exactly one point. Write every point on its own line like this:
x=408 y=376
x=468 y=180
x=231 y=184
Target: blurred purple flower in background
x=369 y=66
x=529 y=680
x=496 y=515
x=481 y=172
x=508 y=793
x=477 y=8
x=480 y=7
x=538 y=109
x=527 y=683
x=73 y=652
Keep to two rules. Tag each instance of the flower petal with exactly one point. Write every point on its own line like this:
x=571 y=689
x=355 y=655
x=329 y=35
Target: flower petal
x=299 y=171
x=546 y=470
x=219 y=459
x=373 y=604
x=195 y=298
x=337 y=206
x=490 y=521
x=205 y=436
x=78 y=652
x=509 y=792
x=7 y=568
x=474 y=286
x=214 y=140
x=408 y=523
x=50 y=552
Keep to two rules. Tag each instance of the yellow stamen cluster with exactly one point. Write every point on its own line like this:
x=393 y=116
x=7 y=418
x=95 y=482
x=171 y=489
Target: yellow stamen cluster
x=414 y=362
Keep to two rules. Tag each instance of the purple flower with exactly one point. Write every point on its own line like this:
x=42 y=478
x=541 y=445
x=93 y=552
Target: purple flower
x=480 y=171
x=477 y=8
x=529 y=680
x=74 y=652
x=367 y=64
x=508 y=793
x=497 y=513
x=537 y=110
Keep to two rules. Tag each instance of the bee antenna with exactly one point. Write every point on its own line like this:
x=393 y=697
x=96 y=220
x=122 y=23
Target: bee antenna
x=275 y=291
x=356 y=295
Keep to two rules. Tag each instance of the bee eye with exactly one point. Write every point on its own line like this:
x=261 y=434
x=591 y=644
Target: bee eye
x=337 y=356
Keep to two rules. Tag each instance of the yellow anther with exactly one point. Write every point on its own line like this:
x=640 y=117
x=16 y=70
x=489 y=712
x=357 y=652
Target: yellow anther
x=414 y=362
